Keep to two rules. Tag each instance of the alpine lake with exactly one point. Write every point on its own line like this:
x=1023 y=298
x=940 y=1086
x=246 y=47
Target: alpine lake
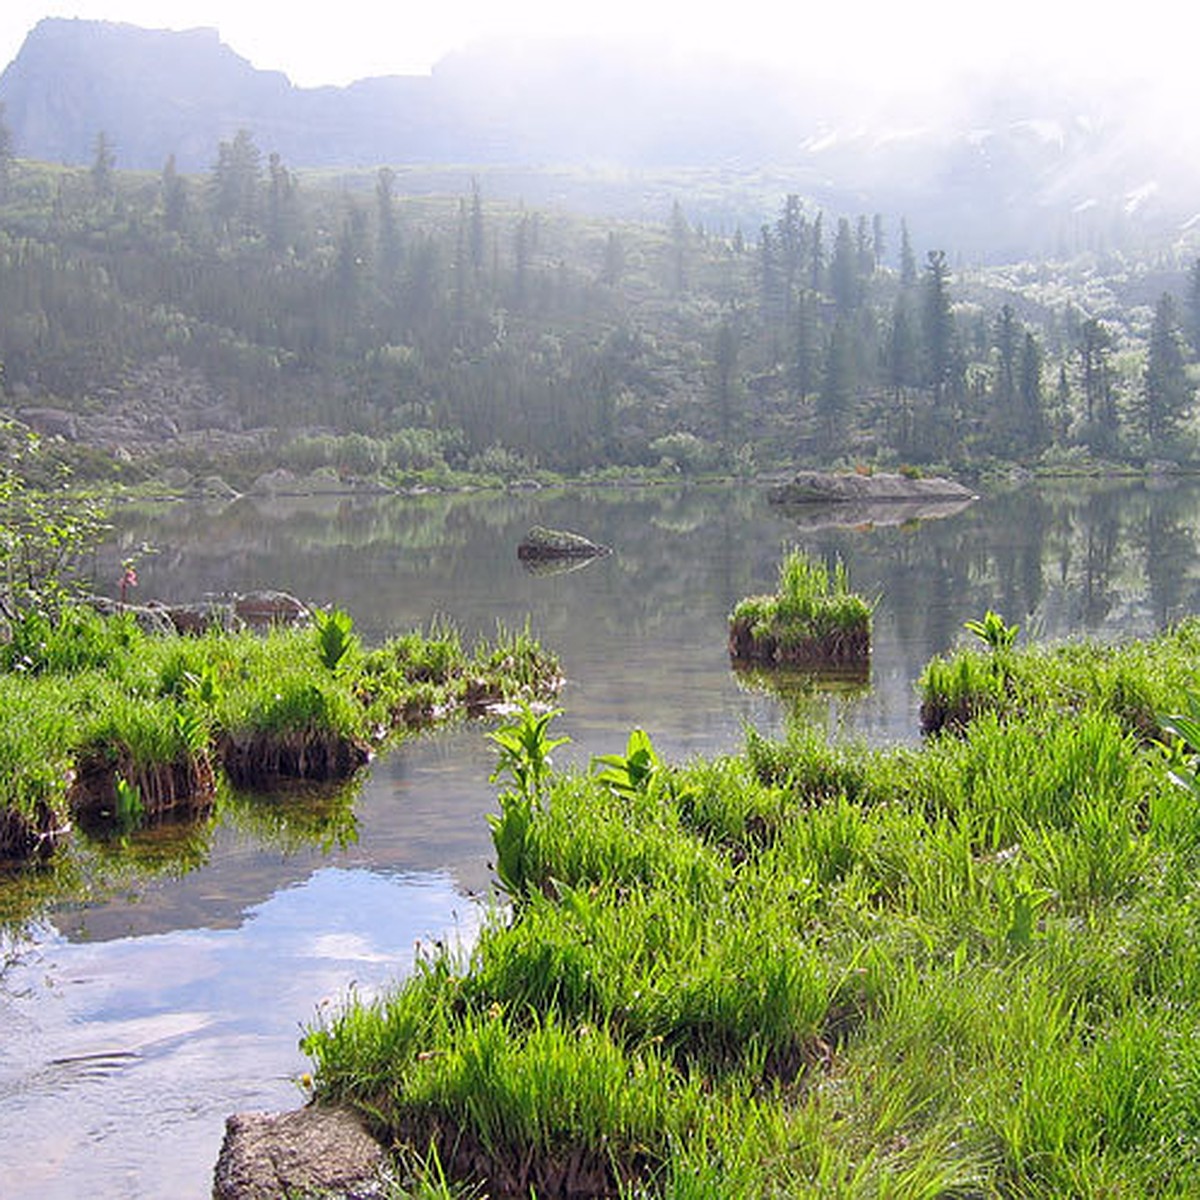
x=151 y=986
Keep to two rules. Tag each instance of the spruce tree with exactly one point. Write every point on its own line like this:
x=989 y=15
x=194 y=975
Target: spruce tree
x=1166 y=391
x=1192 y=302
x=103 y=168
x=908 y=262
x=6 y=158
x=937 y=327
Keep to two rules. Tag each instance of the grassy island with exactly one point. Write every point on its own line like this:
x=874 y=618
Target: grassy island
x=965 y=968
x=104 y=721
x=813 y=619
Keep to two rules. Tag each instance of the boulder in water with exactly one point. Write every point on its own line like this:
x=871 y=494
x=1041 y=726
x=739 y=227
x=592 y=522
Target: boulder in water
x=541 y=544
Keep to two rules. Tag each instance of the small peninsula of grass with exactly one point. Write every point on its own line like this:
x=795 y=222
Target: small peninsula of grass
x=106 y=722
x=814 y=619
x=967 y=968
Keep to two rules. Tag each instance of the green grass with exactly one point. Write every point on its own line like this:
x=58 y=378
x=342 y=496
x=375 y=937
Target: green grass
x=811 y=969
x=1135 y=681
x=812 y=618
x=95 y=699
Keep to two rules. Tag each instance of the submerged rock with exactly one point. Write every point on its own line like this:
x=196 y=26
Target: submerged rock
x=540 y=544
x=312 y=1151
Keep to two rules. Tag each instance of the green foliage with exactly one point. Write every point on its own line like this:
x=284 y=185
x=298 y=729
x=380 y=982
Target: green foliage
x=993 y=632
x=130 y=810
x=534 y=356
x=967 y=968
x=632 y=772
x=44 y=530
x=337 y=645
x=1181 y=751
x=524 y=747
x=813 y=616
x=1134 y=682
x=94 y=696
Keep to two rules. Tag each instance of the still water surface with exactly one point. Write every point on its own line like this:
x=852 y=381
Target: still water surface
x=170 y=986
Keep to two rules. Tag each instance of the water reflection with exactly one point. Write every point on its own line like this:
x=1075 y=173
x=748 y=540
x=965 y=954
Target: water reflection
x=160 y=983
x=123 y=1056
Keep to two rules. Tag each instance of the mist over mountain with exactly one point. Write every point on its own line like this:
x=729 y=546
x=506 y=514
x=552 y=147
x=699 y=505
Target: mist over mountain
x=1003 y=168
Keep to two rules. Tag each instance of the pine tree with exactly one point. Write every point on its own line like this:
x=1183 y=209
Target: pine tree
x=902 y=368
x=283 y=218
x=792 y=238
x=1100 y=407
x=724 y=373
x=614 y=259
x=908 y=262
x=817 y=250
x=937 y=327
x=1192 y=302
x=1166 y=390
x=804 y=347
x=1005 y=419
x=878 y=241
x=174 y=197
x=103 y=168
x=1029 y=391
x=770 y=277
x=835 y=400
x=522 y=255
x=235 y=182
x=6 y=158
x=476 y=237
x=843 y=270
x=681 y=237
x=389 y=231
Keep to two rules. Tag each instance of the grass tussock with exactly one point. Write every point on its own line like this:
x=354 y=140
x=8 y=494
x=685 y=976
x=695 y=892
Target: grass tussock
x=963 y=969
x=110 y=723
x=813 y=619
x=1135 y=682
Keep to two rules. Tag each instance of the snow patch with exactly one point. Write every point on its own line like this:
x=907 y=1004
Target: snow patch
x=1138 y=196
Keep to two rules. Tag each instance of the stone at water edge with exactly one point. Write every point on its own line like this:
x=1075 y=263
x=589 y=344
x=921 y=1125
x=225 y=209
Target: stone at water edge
x=311 y=1151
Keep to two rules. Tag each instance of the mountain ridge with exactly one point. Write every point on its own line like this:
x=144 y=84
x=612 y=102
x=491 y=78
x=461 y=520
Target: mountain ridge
x=1012 y=168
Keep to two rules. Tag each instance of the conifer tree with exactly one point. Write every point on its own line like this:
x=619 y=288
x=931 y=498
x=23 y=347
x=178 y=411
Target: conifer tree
x=6 y=158
x=843 y=269
x=103 y=168
x=1029 y=390
x=938 y=328
x=1166 y=390
x=235 y=181
x=1192 y=302
x=389 y=232
x=835 y=400
x=174 y=197
x=908 y=262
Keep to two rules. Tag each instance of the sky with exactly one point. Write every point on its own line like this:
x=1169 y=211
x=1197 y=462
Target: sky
x=911 y=45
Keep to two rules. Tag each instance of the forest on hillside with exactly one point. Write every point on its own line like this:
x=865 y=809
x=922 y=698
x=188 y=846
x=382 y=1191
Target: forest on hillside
x=255 y=314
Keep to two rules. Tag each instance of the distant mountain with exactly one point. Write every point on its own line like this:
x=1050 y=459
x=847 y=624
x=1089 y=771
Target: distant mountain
x=1009 y=169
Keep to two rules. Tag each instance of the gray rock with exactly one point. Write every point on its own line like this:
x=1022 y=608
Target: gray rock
x=261 y=610
x=541 y=543
x=51 y=422
x=826 y=487
x=312 y=1151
